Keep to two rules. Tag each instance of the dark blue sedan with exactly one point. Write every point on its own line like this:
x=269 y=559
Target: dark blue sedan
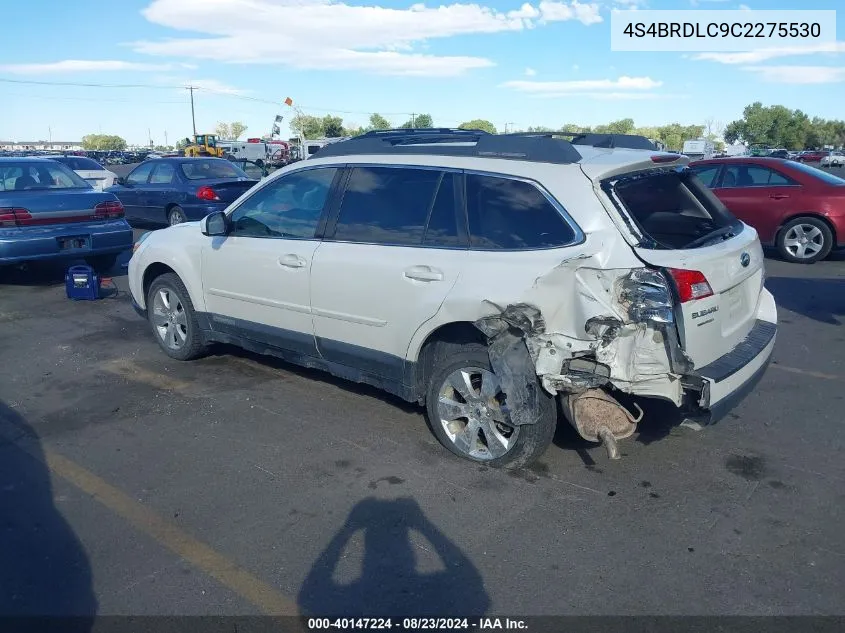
x=176 y=190
x=48 y=212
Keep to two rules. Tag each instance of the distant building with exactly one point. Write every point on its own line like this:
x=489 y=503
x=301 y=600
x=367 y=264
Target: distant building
x=16 y=146
x=736 y=150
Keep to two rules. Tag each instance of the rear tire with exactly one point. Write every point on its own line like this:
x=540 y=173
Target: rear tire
x=805 y=240
x=102 y=263
x=176 y=216
x=485 y=427
x=173 y=319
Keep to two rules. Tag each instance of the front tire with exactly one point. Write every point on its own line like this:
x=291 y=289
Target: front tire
x=172 y=318
x=805 y=240
x=467 y=412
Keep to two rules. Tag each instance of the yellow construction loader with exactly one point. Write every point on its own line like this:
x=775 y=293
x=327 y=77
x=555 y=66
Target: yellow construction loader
x=205 y=145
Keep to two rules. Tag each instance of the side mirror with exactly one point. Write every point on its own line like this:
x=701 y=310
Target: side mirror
x=215 y=224
x=121 y=181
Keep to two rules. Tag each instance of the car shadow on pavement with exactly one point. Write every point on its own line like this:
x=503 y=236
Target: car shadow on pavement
x=372 y=568
x=818 y=299
x=52 y=273
x=45 y=570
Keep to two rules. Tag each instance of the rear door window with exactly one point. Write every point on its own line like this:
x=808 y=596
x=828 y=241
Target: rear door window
x=706 y=174
x=140 y=174
x=507 y=214
x=672 y=209
x=163 y=174
x=753 y=176
x=398 y=206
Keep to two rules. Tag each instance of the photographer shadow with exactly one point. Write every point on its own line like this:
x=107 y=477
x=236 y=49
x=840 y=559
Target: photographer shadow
x=45 y=574
x=397 y=539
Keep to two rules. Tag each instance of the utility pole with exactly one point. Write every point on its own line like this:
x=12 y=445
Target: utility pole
x=193 y=116
x=50 y=134
x=413 y=119
x=165 y=139
x=508 y=125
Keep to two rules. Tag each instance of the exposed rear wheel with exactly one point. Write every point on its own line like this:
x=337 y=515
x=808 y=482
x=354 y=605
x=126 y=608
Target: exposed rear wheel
x=805 y=240
x=468 y=412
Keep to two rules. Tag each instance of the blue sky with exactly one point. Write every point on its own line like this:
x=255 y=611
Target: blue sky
x=508 y=62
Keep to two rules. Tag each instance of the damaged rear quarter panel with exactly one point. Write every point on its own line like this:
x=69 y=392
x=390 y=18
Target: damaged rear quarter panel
x=570 y=286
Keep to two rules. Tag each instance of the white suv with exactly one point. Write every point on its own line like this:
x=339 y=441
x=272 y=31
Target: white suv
x=486 y=277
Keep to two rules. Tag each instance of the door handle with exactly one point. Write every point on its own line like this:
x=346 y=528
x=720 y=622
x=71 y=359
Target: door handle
x=778 y=196
x=423 y=273
x=291 y=261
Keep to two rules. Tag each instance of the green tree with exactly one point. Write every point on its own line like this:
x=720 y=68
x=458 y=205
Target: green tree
x=378 y=122
x=182 y=144
x=332 y=126
x=622 y=126
x=237 y=129
x=418 y=121
x=478 y=124
x=103 y=142
x=540 y=129
x=308 y=126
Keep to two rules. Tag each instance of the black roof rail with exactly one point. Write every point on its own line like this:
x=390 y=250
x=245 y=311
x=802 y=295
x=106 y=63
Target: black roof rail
x=610 y=141
x=456 y=142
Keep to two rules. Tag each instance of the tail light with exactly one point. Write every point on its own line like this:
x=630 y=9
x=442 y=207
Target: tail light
x=207 y=193
x=110 y=210
x=691 y=284
x=664 y=158
x=14 y=216
x=647 y=295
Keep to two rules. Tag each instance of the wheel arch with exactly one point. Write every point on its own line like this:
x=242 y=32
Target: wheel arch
x=816 y=215
x=437 y=343
x=157 y=269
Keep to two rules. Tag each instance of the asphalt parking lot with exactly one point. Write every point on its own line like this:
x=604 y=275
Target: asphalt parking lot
x=134 y=484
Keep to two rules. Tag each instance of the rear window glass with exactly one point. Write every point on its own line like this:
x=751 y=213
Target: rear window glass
x=38 y=177
x=507 y=214
x=78 y=163
x=672 y=210
x=827 y=177
x=210 y=169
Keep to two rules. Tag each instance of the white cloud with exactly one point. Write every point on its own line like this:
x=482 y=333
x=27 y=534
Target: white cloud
x=327 y=34
x=744 y=7
x=629 y=5
x=621 y=88
x=530 y=72
x=82 y=65
x=799 y=74
x=765 y=54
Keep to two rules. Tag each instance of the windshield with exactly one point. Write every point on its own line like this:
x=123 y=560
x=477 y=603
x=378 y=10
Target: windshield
x=211 y=169
x=827 y=177
x=672 y=209
x=32 y=176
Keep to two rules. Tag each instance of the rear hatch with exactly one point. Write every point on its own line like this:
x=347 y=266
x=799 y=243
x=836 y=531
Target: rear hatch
x=714 y=261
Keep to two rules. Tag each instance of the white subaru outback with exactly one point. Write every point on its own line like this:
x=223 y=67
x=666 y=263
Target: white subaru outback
x=502 y=281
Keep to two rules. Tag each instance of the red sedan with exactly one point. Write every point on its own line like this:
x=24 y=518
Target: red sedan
x=795 y=207
x=811 y=157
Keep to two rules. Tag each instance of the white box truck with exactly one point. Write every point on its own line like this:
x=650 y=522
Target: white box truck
x=698 y=149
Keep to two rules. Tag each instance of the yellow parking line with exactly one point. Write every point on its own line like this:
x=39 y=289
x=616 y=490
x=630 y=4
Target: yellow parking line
x=129 y=370
x=266 y=598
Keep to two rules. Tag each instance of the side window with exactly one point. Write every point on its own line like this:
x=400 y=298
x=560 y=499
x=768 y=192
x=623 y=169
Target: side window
x=512 y=215
x=384 y=205
x=442 y=226
x=288 y=207
x=163 y=174
x=706 y=174
x=753 y=176
x=140 y=174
